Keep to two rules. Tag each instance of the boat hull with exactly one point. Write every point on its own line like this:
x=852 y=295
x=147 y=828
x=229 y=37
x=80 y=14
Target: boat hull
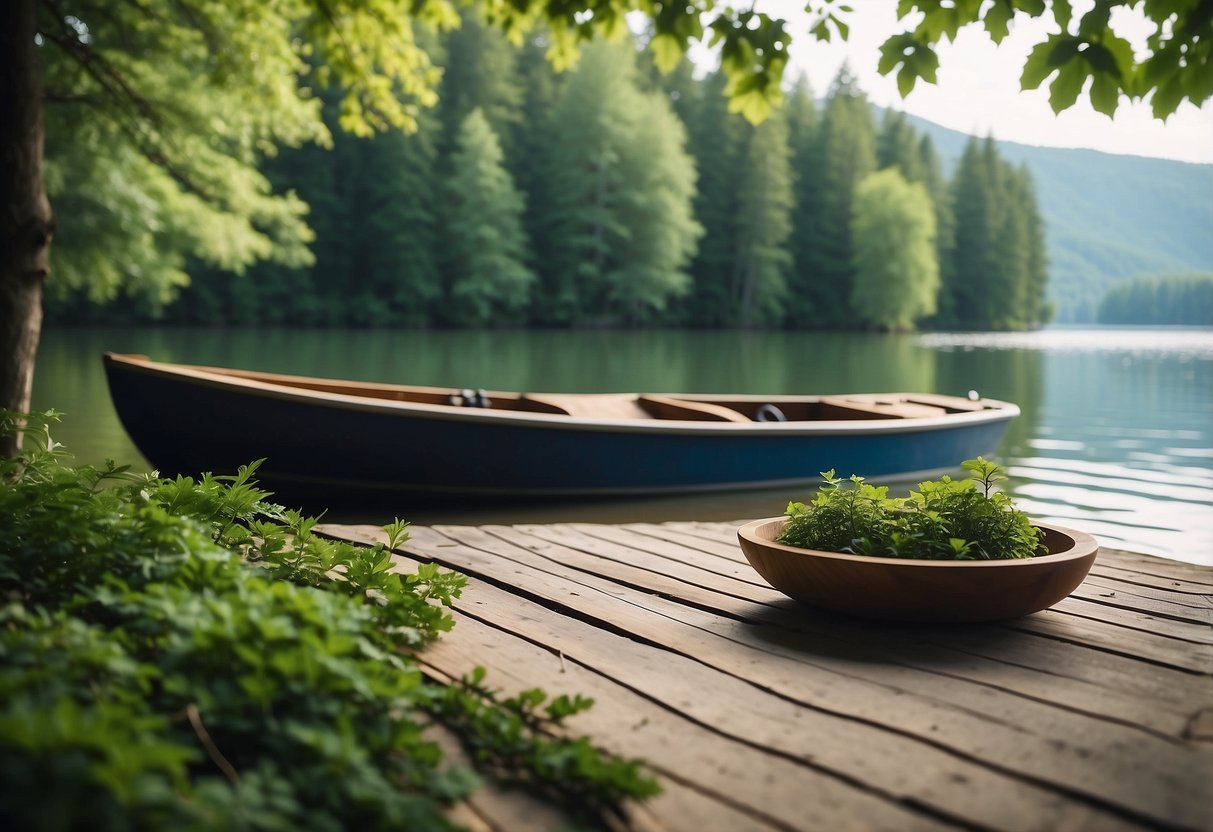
x=312 y=443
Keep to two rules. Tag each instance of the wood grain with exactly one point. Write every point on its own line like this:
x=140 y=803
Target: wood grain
x=756 y=712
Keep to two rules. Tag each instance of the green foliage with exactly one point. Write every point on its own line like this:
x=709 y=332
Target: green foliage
x=898 y=146
x=184 y=654
x=1083 y=52
x=845 y=152
x=1183 y=300
x=715 y=140
x=646 y=203
x=997 y=277
x=621 y=187
x=896 y=267
x=480 y=71
x=157 y=165
x=500 y=732
x=944 y=519
x=762 y=225
x=490 y=282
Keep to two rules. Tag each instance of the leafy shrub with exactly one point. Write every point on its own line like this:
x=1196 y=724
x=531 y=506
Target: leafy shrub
x=944 y=519
x=184 y=654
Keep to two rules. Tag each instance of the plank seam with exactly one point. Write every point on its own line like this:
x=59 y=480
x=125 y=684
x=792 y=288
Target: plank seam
x=854 y=782
x=1103 y=648
x=1097 y=801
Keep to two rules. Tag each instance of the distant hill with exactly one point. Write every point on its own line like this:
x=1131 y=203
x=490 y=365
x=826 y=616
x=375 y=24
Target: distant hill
x=1108 y=217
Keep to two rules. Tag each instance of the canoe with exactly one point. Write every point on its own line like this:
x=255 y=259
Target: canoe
x=332 y=438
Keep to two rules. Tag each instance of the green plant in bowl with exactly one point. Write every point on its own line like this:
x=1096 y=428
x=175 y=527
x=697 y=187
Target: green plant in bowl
x=944 y=519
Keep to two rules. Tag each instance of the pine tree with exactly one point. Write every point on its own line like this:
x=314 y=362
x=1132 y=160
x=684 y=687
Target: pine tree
x=1038 y=311
x=804 y=137
x=656 y=209
x=896 y=271
x=945 y=223
x=762 y=259
x=529 y=165
x=491 y=283
x=715 y=138
x=394 y=277
x=999 y=266
x=846 y=154
x=480 y=71
x=897 y=146
x=974 y=194
x=616 y=157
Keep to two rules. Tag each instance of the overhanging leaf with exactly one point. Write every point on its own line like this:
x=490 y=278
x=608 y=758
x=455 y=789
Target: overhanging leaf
x=1064 y=90
x=667 y=52
x=1105 y=94
x=998 y=20
x=1037 y=68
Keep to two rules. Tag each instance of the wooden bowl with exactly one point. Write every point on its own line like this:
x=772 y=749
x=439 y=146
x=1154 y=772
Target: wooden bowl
x=898 y=589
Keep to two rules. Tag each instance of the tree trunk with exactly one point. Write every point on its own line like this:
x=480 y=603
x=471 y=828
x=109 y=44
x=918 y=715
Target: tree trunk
x=26 y=223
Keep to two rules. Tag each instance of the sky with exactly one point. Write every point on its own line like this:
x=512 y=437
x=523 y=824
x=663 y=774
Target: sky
x=978 y=87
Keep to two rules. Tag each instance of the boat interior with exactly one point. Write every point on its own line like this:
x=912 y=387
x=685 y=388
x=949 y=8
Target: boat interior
x=701 y=408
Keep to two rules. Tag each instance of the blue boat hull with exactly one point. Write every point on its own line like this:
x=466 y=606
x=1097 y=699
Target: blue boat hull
x=312 y=443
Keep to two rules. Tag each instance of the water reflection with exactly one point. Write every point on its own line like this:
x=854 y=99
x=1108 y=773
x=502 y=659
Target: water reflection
x=1122 y=444
x=1115 y=437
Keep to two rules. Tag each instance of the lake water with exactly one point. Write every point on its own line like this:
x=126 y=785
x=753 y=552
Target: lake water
x=1115 y=438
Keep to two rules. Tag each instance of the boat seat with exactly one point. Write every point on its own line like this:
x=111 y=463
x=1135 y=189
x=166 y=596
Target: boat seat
x=668 y=407
x=952 y=404
x=591 y=405
x=632 y=406
x=875 y=407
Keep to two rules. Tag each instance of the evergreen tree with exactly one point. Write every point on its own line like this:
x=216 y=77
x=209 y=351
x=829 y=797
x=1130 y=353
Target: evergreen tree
x=715 y=139
x=656 y=208
x=613 y=256
x=846 y=154
x=393 y=277
x=1038 y=310
x=897 y=146
x=480 y=71
x=529 y=165
x=945 y=222
x=491 y=282
x=999 y=270
x=1003 y=285
x=762 y=260
x=896 y=271
x=974 y=196
x=804 y=136
x=1174 y=300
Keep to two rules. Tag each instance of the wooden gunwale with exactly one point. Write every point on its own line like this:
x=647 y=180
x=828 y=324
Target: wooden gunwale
x=350 y=395
x=1090 y=714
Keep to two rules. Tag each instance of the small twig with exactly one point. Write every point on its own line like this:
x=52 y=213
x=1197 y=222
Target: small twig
x=560 y=655
x=204 y=737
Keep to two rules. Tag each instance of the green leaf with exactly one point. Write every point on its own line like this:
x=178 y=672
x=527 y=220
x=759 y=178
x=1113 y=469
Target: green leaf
x=1167 y=97
x=893 y=52
x=753 y=105
x=1096 y=20
x=1105 y=94
x=998 y=19
x=1063 y=13
x=1067 y=86
x=667 y=52
x=1101 y=60
x=1038 y=67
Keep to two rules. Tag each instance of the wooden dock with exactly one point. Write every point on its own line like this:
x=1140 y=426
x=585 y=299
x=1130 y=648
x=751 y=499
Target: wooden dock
x=757 y=713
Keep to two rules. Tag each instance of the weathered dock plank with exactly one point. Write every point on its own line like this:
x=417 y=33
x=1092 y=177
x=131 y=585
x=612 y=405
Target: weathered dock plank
x=758 y=713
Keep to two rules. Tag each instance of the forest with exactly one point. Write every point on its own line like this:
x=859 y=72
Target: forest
x=608 y=195
x=1181 y=299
